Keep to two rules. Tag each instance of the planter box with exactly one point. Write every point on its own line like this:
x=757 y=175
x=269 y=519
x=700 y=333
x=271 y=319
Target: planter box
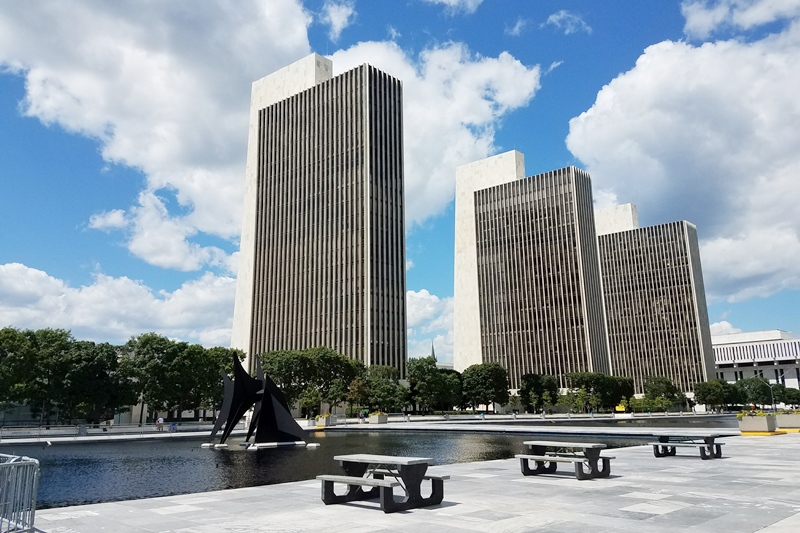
x=378 y=419
x=788 y=421
x=326 y=421
x=757 y=423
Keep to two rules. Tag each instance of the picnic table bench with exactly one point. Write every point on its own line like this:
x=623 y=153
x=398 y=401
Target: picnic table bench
x=547 y=454
x=667 y=445
x=382 y=473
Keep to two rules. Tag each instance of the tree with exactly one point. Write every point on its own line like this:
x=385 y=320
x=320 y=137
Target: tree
x=426 y=382
x=599 y=390
x=486 y=383
x=99 y=384
x=210 y=387
x=451 y=393
x=331 y=373
x=791 y=397
x=292 y=371
x=663 y=393
x=710 y=393
x=385 y=391
x=358 y=392
x=17 y=362
x=45 y=389
x=310 y=399
x=170 y=372
x=754 y=391
x=538 y=390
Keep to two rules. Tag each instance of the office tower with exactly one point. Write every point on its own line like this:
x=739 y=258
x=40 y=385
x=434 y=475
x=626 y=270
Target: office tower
x=322 y=260
x=655 y=303
x=527 y=279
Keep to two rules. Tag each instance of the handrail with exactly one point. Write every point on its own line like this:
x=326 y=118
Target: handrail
x=19 y=482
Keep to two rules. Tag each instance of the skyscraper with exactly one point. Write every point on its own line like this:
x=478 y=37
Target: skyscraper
x=655 y=303
x=322 y=259
x=527 y=280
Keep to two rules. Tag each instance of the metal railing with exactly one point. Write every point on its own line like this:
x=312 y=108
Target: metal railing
x=76 y=432
x=19 y=481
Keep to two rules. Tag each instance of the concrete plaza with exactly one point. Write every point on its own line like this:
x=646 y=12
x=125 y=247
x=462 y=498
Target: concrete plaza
x=752 y=488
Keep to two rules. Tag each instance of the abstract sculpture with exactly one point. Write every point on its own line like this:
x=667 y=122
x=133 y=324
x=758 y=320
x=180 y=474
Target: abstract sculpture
x=272 y=421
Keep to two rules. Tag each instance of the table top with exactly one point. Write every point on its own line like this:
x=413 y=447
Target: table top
x=383 y=459
x=564 y=444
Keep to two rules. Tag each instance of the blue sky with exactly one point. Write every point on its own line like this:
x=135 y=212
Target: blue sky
x=123 y=133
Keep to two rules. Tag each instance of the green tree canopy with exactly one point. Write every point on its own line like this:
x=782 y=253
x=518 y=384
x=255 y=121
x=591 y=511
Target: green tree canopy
x=385 y=391
x=538 y=391
x=663 y=392
x=754 y=391
x=710 y=393
x=426 y=382
x=485 y=383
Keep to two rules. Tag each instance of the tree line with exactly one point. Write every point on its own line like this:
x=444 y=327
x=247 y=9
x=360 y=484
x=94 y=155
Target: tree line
x=63 y=380
x=719 y=394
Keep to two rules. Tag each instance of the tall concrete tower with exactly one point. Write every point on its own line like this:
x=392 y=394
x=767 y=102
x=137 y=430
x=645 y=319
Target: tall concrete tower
x=322 y=257
x=527 y=279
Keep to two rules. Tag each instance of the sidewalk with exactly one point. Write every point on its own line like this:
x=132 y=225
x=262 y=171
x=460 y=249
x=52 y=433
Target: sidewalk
x=752 y=488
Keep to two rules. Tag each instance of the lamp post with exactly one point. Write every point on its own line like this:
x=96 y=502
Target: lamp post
x=770 y=385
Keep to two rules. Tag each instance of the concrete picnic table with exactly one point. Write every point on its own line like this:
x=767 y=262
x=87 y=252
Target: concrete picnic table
x=547 y=454
x=667 y=444
x=382 y=473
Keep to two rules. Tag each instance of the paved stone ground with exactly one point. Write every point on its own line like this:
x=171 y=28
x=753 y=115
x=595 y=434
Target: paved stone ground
x=753 y=488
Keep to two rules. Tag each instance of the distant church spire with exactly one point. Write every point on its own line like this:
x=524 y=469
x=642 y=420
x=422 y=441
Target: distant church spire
x=433 y=353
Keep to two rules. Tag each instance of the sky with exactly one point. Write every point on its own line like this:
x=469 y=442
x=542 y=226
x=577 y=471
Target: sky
x=123 y=135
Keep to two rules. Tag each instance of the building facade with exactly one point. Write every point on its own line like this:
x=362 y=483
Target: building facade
x=773 y=355
x=528 y=292
x=322 y=258
x=655 y=305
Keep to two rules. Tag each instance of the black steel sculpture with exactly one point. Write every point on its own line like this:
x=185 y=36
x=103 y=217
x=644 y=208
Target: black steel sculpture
x=272 y=421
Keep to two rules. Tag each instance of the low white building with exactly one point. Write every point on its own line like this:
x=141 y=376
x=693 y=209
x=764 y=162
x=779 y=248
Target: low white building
x=773 y=355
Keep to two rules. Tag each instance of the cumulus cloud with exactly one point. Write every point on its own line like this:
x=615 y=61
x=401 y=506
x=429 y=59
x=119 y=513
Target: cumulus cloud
x=455 y=6
x=568 y=22
x=453 y=103
x=145 y=81
x=112 y=309
x=338 y=15
x=430 y=320
x=723 y=328
x=704 y=17
x=708 y=134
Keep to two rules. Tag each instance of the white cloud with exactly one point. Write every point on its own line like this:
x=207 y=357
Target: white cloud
x=338 y=15
x=708 y=134
x=569 y=22
x=554 y=65
x=393 y=33
x=723 y=328
x=704 y=17
x=114 y=219
x=453 y=102
x=516 y=29
x=114 y=309
x=430 y=319
x=454 y=6
x=164 y=87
